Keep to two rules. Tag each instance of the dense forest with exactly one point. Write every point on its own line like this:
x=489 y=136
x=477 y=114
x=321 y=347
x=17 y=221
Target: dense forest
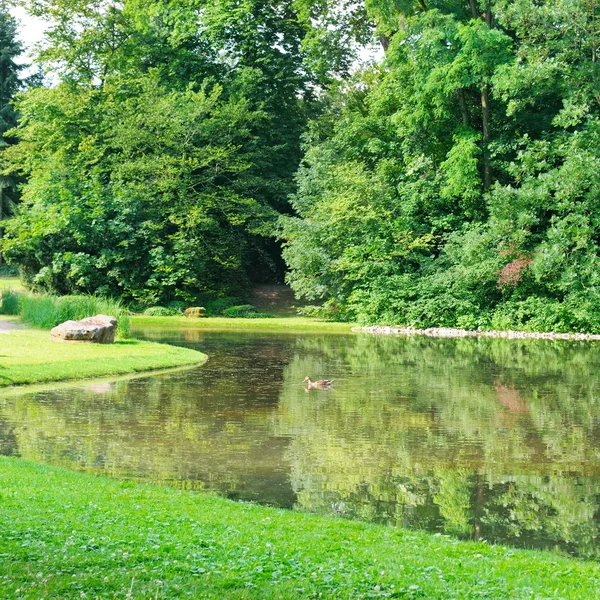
x=179 y=149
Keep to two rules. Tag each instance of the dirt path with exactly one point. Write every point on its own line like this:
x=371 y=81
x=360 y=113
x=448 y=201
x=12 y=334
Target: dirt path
x=6 y=326
x=276 y=299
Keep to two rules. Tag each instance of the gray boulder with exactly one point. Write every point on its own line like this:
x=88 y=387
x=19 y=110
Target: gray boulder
x=99 y=329
x=195 y=312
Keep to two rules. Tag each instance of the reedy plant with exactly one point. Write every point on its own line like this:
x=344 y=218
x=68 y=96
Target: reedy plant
x=46 y=311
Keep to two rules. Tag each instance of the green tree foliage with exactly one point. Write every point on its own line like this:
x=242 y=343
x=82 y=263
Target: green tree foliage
x=456 y=184
x=336 y=30
x=134 y=194
x=11 y=82
x=159 y=160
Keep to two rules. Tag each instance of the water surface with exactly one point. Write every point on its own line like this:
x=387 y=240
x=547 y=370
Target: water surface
x=486 y=439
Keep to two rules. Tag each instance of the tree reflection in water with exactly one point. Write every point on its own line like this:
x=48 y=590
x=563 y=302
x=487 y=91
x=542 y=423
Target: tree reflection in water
x=489 y=439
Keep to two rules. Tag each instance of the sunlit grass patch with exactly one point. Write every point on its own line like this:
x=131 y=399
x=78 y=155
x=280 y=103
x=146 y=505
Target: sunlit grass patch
x=11 y=283
x=29 y=356
x=66 y=535
x=273 y=323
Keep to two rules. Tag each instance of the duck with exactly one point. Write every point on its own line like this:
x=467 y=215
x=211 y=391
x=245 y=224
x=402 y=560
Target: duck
x=320 y=384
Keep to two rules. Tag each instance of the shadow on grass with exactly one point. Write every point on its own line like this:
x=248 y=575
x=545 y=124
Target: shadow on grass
x=5 y=378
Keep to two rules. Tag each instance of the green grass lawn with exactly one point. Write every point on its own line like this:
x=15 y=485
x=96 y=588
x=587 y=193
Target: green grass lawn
x=29 y=356
x=290 y=323
x=68 y=535
x=11 y=283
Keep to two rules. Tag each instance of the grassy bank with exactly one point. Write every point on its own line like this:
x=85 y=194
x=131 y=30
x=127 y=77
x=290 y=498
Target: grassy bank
x=11 y=283
x=277 y=323
x=68 y=535
x=29 y=356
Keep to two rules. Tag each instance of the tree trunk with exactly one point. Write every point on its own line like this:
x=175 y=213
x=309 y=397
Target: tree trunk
x=473 y=8
x=384 y=40
x=489 y=16
x=463 y=107
x=485 y=111
x=1 y=217
x=485 y=103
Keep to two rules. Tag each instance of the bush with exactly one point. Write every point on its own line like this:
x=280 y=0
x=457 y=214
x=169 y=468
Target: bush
x=10 y=302
x=159 y=311
x=177 y=306
x=136 y=308
x=8 y=271
x=574 y=313
x=217 y=306
x=239 y=311
x=330 y=311
x=46 y=311
x=245 y=311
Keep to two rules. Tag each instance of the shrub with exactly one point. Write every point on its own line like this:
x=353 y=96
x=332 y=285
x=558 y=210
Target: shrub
x=241 y=310
x=136 y=308
x=245 y=311
x=159 y=311
x=47 y=311
x=574 y=313
x=177 y=306
x=217 y=306
x=8 y=271
x=512 y=273
x=10 y=302
x=330 y=311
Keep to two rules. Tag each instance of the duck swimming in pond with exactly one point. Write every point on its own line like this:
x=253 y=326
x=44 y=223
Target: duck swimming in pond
x=321 y=384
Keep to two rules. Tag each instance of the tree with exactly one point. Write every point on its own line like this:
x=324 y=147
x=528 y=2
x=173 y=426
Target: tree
x=211 y=193
x=423 y=159
x=132 y=191
x=11 y=82
x=476 y=144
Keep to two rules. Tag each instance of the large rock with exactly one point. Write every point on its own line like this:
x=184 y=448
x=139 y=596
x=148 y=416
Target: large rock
x=195 y=312
x=99 y=329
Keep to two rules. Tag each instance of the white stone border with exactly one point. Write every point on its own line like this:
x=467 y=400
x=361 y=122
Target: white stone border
x=450 y=332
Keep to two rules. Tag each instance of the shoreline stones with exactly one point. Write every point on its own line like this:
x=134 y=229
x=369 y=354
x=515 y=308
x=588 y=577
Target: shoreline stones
x=99 y=329
x=450 y=332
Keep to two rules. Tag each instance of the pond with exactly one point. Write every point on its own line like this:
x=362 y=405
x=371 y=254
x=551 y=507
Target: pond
x=477 y=438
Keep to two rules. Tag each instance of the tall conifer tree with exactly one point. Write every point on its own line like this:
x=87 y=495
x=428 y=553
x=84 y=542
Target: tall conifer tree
x=10 y=83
